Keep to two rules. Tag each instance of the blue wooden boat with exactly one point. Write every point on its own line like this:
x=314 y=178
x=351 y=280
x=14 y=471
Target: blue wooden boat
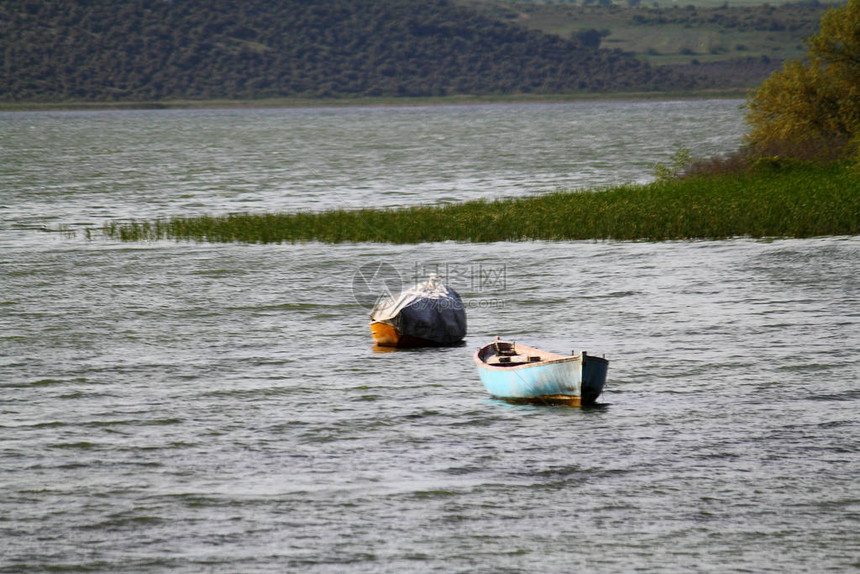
x=518 y=373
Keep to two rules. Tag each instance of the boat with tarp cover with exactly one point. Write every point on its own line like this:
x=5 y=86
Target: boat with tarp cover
x=430 y=314
x=519 y=373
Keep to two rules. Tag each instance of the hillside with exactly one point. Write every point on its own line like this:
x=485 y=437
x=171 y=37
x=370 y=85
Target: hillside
x=102 y=50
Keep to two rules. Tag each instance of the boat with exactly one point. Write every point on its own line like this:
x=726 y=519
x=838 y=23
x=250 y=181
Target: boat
x=518 y=373
x=430 y=314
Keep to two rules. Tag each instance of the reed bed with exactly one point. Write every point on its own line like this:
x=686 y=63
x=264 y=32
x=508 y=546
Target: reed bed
x=772 y=200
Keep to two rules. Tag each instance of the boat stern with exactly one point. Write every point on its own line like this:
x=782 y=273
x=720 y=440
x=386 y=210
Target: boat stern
x=594 y=371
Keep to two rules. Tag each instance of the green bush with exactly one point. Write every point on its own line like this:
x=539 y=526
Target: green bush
x=816 y=100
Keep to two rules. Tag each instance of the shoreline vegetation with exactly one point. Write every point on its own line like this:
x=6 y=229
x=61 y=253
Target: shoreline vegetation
x=797 y=176
x=773 y=199
x=366 y=101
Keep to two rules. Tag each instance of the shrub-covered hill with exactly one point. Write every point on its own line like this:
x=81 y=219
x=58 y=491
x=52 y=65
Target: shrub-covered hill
x=102 y=50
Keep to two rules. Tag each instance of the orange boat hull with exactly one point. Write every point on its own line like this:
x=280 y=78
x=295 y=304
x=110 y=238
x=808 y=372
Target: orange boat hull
x=385 y=335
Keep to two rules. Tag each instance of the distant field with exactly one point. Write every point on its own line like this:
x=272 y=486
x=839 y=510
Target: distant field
x=663 y=3
x=673 y=33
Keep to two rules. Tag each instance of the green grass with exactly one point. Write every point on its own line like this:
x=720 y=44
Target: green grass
x=775 y=199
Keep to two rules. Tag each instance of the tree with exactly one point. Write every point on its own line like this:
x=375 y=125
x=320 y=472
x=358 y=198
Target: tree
x=589 y=38
x=817 y=101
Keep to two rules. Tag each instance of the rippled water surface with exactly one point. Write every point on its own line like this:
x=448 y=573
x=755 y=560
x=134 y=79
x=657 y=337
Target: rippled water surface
x=220 y=408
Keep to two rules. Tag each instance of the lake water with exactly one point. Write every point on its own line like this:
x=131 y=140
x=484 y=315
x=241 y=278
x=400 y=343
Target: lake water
x=220 y=408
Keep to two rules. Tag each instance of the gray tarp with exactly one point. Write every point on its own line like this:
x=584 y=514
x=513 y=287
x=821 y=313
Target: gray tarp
x=431 y=311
